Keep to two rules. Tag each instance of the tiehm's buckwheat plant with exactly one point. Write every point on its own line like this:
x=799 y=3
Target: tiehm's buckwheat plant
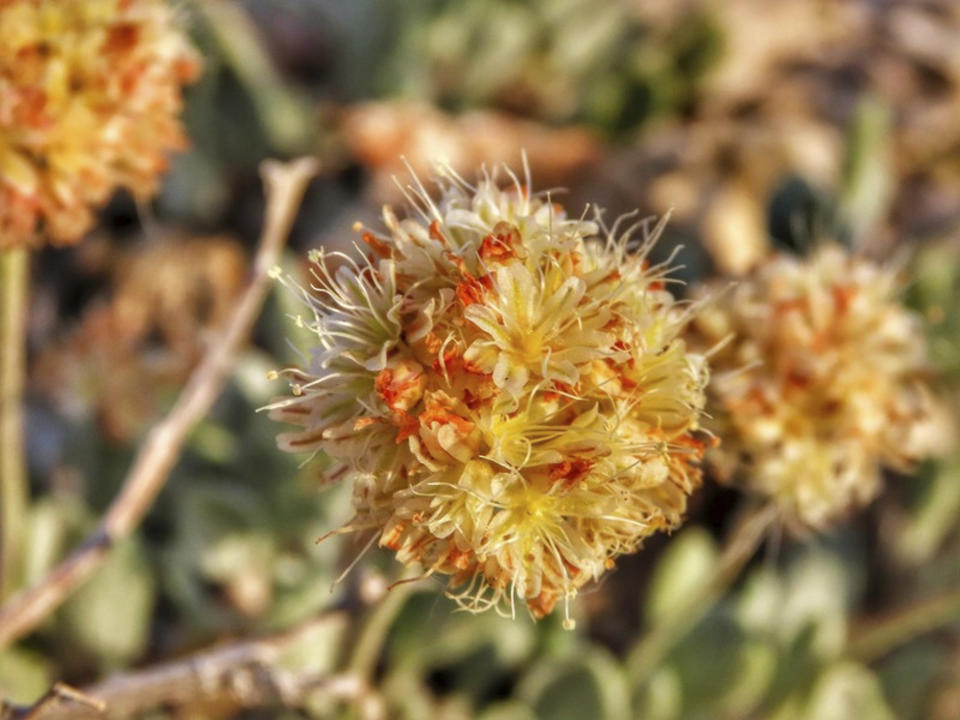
x=822 y=384
x=506 y=388
x=89 y=98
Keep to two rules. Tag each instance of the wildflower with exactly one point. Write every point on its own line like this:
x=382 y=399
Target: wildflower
x=507 y=388
x=822 y=383
x=89 y=96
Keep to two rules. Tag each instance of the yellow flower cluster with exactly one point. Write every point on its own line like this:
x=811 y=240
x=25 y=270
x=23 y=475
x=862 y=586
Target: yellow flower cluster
x=821 y=383
x=89 y=96
x=507 y=389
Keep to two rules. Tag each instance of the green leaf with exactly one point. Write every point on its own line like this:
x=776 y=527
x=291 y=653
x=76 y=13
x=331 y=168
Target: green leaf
x=935 y=514
x=662 y=696
x=406 y=694
x=720 y=668
x=213 y=442
x=308 y=596
x=816 y=600
x=24 y=675
x=685 y=566
x=760 y=603
x=316 y=648
x=594 y=686
x=867 y=183
x=52 y=524
x=935 y=292
x=509 y=710
x=110 y=615
x=908 y=677
x=456 y=637
x=847 y=690
x=756 y=670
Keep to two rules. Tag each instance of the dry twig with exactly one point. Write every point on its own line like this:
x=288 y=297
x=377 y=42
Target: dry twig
x=244 y=674
x=60 y=697
x=161 y=450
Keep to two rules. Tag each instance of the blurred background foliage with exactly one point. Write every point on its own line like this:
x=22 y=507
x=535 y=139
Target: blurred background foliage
x=758 y=124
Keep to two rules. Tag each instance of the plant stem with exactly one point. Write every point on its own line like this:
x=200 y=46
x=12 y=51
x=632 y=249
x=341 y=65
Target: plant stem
x=877 y=637
x=245 y=674
x=160 y=450
x=14 y=274
x=367 y=646
x=369 y=643
x=670 y=630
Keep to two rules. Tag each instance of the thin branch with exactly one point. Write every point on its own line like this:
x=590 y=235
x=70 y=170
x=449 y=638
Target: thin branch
x=688 y=611
x=285 y=185
x=243 y=674
x=59 y=697
x=873 y=639
x=14 y=276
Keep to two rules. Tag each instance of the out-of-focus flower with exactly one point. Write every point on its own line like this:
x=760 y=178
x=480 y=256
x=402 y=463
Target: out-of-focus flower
x=507 y=389
x=383 y=135
x=822 y=383
x=89 y=96
x=126 y=355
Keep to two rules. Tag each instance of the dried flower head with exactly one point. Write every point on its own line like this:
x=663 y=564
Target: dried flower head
x=821 y=384
x=507 y=389
x=89 y=96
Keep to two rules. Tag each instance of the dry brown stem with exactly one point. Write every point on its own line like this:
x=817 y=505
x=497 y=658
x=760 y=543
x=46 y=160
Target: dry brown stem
x=285 y=185
x=242 y=674
x=54 y=701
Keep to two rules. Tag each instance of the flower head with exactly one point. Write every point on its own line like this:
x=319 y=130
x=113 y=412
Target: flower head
x=821 y=384
x=506 y=387
x=89 y=94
